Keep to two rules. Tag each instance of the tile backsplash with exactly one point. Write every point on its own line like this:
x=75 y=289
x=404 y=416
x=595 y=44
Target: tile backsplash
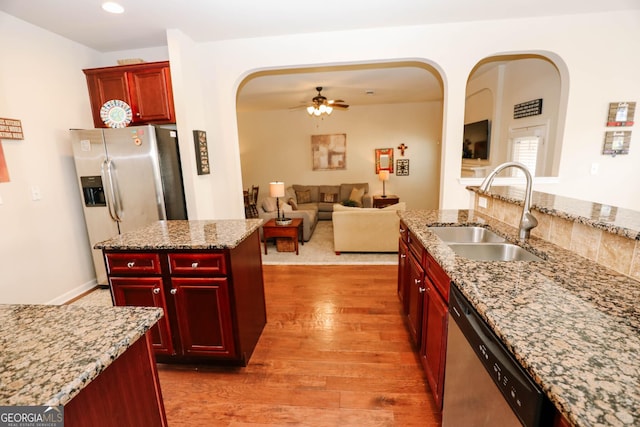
x=617 y=252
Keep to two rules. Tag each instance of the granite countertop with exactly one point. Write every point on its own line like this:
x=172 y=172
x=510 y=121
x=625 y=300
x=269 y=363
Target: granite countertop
x=572 y=324
x=49 y=353
x=185 y=234
x=616 y=220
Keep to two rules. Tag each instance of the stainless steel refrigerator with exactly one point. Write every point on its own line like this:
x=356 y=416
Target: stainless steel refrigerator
x=128 y=178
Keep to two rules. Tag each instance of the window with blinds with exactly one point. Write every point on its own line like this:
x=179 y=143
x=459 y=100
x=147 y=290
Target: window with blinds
x=526 y=146
x=525 y=151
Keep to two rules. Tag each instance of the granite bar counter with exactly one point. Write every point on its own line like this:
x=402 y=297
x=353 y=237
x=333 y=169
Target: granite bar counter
x=51 y=354
x=613 y=219
x=573 y=324
x=188 y=235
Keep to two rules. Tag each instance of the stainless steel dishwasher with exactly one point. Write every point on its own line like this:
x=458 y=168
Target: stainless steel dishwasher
x=484 y=385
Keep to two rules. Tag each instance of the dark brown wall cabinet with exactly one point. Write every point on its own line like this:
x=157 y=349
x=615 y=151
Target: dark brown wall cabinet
x=145 y=87
x=213 y=300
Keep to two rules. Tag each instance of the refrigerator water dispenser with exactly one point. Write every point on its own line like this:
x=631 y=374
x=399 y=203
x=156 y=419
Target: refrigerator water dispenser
x=92 y=191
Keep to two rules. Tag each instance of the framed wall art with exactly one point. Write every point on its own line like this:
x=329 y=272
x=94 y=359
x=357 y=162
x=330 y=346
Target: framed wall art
x=402 y=167
x=202 y=152
x=621 y=113
x=616 y=142
x=329 y=152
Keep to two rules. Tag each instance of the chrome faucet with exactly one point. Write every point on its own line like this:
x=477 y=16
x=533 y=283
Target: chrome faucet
x=527 y=221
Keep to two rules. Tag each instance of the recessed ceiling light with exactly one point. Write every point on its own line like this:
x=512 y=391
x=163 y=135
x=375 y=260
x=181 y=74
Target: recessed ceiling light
x=112 y=7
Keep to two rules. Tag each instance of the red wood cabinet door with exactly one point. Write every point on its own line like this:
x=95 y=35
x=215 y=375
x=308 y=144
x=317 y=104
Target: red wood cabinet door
x=145 y=292
x=434 y=340
x=403 y=274
x=105 y=86
x=415 y=289
x=151 y=95
x=203 y=311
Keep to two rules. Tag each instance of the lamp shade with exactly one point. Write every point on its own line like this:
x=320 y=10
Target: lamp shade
x=383 y=175
x=276 y=189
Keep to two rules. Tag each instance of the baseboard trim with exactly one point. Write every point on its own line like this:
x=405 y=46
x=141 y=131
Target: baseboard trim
x=74 y=294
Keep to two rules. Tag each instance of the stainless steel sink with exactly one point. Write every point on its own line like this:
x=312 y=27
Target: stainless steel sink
x=470 y=234
x=493 y=252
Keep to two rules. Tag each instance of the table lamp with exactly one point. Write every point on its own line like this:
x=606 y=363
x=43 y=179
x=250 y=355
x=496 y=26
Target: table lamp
x=383 y=175
x=276 y=189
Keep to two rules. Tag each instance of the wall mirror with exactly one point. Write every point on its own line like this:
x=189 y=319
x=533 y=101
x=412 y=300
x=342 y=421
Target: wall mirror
x=384 y=160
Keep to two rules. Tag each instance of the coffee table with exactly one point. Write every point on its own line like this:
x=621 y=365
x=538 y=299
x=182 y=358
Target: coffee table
x=292 y=231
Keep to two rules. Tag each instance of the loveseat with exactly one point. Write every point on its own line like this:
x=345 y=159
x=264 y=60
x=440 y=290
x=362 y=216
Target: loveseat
x=310 y=202
x=366 y=229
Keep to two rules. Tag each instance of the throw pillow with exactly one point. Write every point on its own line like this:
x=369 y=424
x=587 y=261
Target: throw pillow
x=356 y=195
x=329 y=197
x=285 y=207
x=349 y=203
x=303 y=196
x=269 y=204
x=293 y=204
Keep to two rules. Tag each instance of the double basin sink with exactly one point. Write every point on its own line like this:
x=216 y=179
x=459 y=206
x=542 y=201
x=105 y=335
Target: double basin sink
x=481 y=244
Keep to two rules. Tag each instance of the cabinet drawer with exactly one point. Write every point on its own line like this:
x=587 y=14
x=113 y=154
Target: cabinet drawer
x=438 y=276
x=133 y=263
x=197 y=264
x=415 y=246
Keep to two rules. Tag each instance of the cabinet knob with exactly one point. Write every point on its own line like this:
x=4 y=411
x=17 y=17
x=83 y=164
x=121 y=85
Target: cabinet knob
x=403 y=255
x=194 y=265
x=173 y=291
x=137 y=114
x=156 y=291
x=130 y=264
x=416 y=281
x=401 y=230
x=422 y=290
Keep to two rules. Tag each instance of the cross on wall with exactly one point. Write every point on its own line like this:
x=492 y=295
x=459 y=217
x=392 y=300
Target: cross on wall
x=402 y=147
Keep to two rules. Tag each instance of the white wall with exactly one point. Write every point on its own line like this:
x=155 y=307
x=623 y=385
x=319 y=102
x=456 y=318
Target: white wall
x=592 y=83
x=276 y=145
x=44 y=255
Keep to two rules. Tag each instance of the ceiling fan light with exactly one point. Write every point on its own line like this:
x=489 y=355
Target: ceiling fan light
x=329 y=110
x=310 y=110
x=112 y=7
x=323 y=109
x=317 y=112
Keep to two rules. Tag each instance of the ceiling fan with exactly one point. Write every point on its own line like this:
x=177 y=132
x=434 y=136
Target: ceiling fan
x=321 y=105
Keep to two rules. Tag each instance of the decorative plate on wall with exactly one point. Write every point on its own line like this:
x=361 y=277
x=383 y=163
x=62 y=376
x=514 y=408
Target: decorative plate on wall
x=116 y=113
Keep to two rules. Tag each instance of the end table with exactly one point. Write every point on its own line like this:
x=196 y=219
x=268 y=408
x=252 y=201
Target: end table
x=291 y=231
x=381 y=202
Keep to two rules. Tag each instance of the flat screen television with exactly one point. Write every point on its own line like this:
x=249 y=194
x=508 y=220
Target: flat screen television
x=476 y=139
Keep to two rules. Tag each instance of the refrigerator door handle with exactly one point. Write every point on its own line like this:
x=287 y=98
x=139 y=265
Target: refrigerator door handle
x=111 y=190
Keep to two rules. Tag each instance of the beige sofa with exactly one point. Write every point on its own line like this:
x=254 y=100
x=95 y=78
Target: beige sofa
x=366 y=229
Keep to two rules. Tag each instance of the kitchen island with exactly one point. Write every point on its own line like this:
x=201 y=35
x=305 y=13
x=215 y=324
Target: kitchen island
x=207 y=277
x=573 y=324
x=94 y=361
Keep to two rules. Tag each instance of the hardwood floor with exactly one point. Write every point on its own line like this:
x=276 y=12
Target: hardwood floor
x=334 y=352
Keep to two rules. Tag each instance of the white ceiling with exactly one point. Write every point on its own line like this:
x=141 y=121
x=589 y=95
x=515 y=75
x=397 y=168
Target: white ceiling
x=144 y=24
